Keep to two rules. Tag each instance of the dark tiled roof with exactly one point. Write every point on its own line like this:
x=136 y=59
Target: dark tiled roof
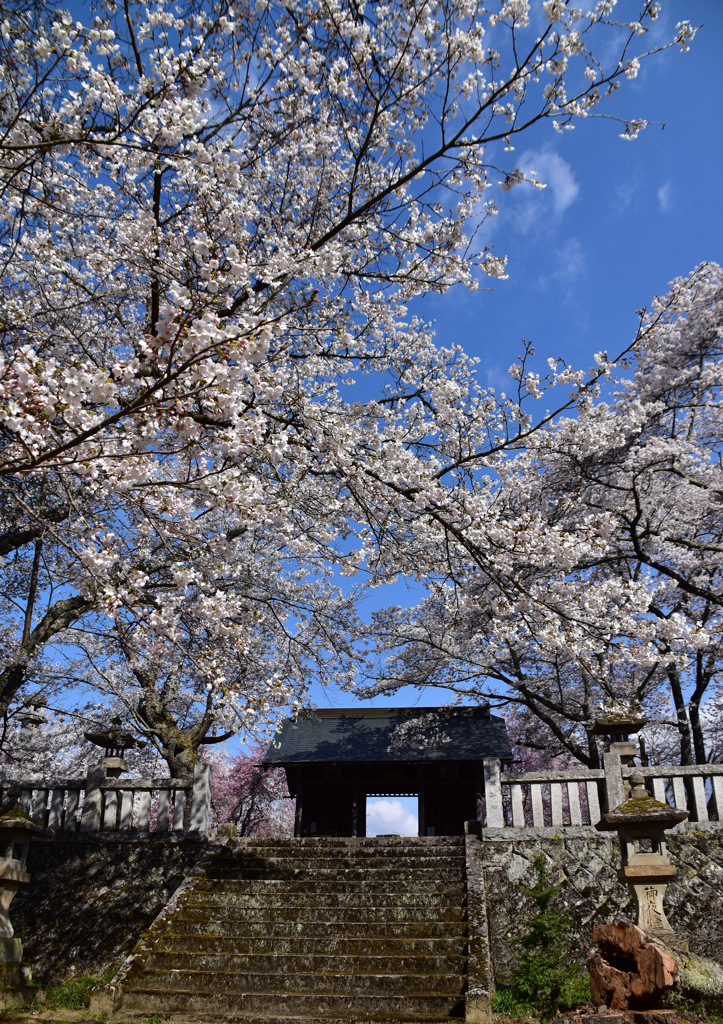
x=366 y=735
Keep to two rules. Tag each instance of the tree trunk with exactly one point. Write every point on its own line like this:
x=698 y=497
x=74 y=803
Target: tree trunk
x=686 y=750
x=58 y=617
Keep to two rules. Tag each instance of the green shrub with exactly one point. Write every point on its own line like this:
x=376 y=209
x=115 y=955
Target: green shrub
x=73 y=994
x=547 y=978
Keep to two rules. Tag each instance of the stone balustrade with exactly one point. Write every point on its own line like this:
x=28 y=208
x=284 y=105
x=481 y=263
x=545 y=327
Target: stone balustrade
x=98 y=803
x=562 y=799
x=577 y=796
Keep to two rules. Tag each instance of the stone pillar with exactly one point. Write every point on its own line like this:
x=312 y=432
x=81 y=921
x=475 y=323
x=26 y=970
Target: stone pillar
x=201 y=798
x=649 y=898
x=480 y=975
x=493 y=793
x=614 y=787
x=91 y=817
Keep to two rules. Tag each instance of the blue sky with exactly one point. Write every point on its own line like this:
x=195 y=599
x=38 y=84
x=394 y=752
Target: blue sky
x=617 y=222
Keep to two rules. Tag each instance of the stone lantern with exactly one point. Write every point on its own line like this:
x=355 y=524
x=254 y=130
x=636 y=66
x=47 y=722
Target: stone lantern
x=617 y=728
x=114 y=741
x=32 y=718
x=16 y=831
x=640 y=823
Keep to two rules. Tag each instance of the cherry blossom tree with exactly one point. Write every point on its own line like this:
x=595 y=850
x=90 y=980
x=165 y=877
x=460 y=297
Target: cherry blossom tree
x=255 y=800
x=658 y=480
x=609 y=522
x=212 y=397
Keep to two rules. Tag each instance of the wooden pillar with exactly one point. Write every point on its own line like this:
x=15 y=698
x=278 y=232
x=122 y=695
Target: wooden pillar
x=299 y=811
x=359 y=813
x=422 y=810
x=479 y=793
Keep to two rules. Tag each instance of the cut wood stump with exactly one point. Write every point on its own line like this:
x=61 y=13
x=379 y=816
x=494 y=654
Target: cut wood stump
x=630 y=970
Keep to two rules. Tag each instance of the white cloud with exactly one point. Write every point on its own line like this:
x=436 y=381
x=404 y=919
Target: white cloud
x=566 y=263
x=625 y=194
x=665 y=196
x=557 y=175
x=500 y=380
x=570 y=260
x=533 y=211
x=389 y=816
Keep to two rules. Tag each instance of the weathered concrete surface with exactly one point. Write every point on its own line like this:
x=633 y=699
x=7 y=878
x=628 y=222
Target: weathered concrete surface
x=587 y=863
x=90 y=900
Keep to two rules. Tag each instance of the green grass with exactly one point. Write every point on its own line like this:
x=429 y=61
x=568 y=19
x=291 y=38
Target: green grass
x=75 y=993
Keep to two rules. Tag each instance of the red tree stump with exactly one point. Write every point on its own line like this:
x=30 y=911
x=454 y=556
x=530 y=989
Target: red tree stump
x=630 y=971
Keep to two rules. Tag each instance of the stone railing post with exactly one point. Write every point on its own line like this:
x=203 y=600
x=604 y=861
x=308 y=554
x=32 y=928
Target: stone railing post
x=493 y=793
x=90 y=819
x=614 y=785
x=480 y=973
x=201 y=798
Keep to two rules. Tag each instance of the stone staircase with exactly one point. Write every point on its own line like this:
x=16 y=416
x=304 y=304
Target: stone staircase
x=310 y=929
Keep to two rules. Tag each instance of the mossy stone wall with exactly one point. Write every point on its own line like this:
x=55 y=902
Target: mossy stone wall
x=586 y=864
x=90 y=899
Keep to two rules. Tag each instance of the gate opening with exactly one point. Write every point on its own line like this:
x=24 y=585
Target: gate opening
x=392 y=814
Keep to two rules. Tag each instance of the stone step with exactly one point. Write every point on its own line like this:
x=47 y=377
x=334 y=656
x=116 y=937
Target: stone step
x=275 y=1007
x=273 y=927
x=387 y=984
x=378 y=854
x=327 y=944
x=315 y=843
x=328 y=865
x=399 y=865
x=313 y=930
x=332 y=882
x=301 y=849
x=337 y=900
x=339 y=876
x=310 y=914
x=273 y=964
x=247 y=1018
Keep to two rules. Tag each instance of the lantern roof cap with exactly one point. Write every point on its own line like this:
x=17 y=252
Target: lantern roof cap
x=15 y=818
x=618 y=722
x=114 y=737
x=641 y=810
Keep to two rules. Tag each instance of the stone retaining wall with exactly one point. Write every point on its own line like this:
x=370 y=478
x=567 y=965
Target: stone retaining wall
x=586 y=863
x=90 y=898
